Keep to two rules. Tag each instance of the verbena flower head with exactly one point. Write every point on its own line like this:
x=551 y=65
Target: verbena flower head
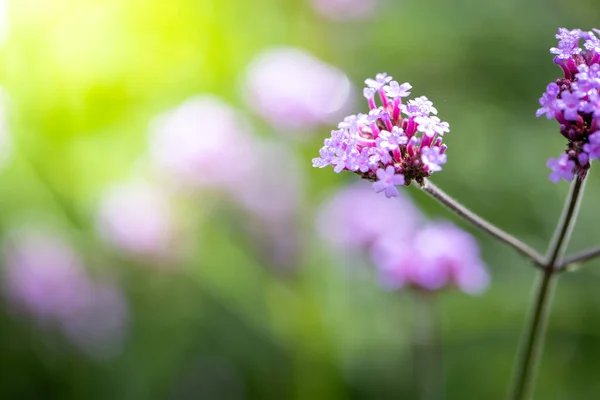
x=394 y=144
x=437 y=256
x=574 y=101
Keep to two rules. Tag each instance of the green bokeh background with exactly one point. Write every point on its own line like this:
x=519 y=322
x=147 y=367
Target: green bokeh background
x=84 y=78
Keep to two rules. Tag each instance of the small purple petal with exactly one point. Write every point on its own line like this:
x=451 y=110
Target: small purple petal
x=433 y=158
x=562 y=168
x=394 y=89
x=592 y=148
x=568 y=43
x=388 y=179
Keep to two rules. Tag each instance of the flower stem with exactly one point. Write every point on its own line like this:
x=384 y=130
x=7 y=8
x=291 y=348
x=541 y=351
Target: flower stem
x=481 y=223
x=428 y=375
x=562 y=234
x=585 y=255
x=533 y=338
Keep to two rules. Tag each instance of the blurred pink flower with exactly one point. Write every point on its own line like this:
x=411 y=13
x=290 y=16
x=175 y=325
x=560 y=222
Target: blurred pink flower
x=44 y=276
x=293 y=90
x=203 y=142
x=355 y=217
x=136 y=217
x=273 y=186
x=342 y=10
x=405 y=248
x=439 y=255
x=45 y=279
x=272 y=193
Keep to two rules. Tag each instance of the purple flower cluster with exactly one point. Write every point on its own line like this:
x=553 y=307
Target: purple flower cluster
x=438 y=255
x=574 y=101
x=407 y=252
x=393 y=144
x=46 y=279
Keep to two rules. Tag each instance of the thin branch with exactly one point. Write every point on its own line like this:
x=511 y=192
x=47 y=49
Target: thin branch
x=584 y=256
x=481 y=223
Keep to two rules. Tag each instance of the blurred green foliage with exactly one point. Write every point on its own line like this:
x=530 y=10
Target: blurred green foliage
x=84 y=79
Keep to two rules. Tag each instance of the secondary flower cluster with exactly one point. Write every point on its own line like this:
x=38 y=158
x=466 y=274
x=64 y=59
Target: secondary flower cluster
x=393 y=144
x=436 y=256
x=413 y=252
x=574 y=101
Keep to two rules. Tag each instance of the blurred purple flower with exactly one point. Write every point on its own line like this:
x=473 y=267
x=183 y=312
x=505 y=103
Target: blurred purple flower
x=203 y=142
x=438 y=255
x=293 y=90
x=355 y=217
x=44 y=276
x=45 y=279
x=272 y=192
x=273 y=185
x=136 y=217
x=342 y=10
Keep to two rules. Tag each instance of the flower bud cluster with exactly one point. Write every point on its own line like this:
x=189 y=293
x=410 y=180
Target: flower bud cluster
x=394 y=144
x=574 y=101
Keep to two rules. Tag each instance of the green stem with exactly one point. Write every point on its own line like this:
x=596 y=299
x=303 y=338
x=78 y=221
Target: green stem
x=533 y=338
x=584 y=256
x=428 y=375
x=562 y=234
x=481 y=223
